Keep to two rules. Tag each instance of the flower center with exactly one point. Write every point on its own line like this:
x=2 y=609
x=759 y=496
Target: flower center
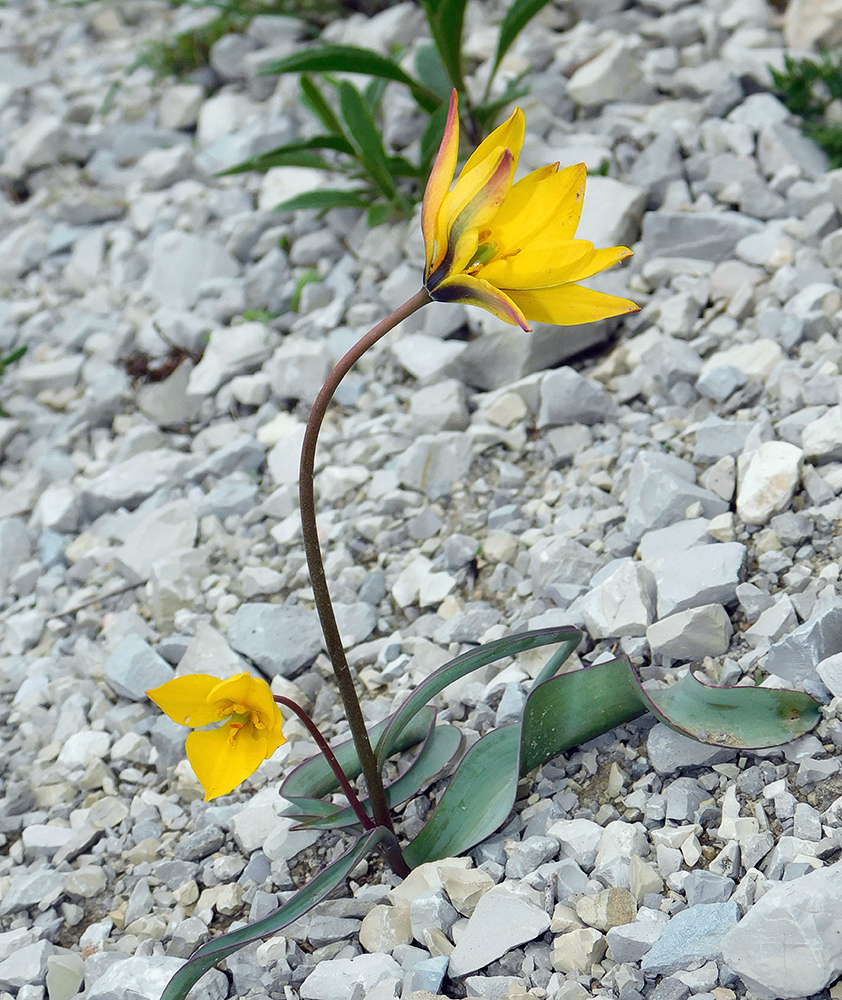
x=485 y=251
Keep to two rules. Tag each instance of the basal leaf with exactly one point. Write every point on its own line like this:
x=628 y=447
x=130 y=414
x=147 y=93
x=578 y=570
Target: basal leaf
x=366 y=137
x=314 y=99
x=475 y=803
x=305 y=899
x=519 y=14
x=564 y=711
x=351 y=59
x=300 y=153
x=438 y=751
x=459 y=667
x=326 y=198
x=314 y=779
x=430 y=69
x=446 y=19
x=741 y=717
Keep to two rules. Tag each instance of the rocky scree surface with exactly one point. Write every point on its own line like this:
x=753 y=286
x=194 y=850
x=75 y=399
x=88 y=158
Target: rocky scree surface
x=675 y=492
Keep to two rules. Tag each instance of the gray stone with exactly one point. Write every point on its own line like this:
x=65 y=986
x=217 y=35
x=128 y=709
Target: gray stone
x=706 y=574
x=279 y=638
x=702 y=888
x=132 y=481
x=230 y=497
x=661 y=488
x=693 y=935
x=501 y=921
x=434 y=462
x=200 y=843
x=622 y=603
x=568 y=398
x=180 y=263
x=141 y=977
x=15 y=549
x=630 y=942
x=699 y=235
x=26 y=967
x=134 y=667
x=670 y=752
x=502 y=356
x=298 y=368
x=797 y=655
x=830 y=672
x=229 y=353
x=788 y=945
x=691 y=634
x=562 y=568
x=337 y=979
x=439 y=407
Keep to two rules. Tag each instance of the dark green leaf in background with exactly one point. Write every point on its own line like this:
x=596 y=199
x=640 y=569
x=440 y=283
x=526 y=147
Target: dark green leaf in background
x=351 y=59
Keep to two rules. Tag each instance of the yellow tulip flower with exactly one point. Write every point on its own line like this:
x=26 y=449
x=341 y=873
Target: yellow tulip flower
x=223 y=757
x=509 y=247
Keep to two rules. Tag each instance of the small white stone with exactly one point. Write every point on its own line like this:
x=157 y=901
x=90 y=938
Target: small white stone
x=768 y=478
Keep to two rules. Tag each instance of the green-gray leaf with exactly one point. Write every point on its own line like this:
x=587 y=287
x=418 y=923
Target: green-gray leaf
x=326 y=198
x=446 y=19
x=352 y=59
x=740 y=717
x=366 y=138
x=300 y=153
x=519 y=14
x=314 y=779
x=305 y=899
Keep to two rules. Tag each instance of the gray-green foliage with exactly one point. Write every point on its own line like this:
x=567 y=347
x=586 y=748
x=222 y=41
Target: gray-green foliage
x=812 y=89
x=349 y=141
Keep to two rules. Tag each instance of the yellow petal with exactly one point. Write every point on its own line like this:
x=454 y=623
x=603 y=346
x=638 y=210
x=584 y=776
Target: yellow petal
x=439 y=183
x=221 y=763
x=553 y=264
x=469 y=209
x=545 y=205
x=509 y=136
x=569 y=305
x=476 y=215
x=245 y=690
x=185 y=699
x=476 y=292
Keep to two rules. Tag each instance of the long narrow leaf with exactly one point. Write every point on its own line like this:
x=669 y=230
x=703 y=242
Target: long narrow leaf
x=562 y=712
x=363 y=131
x=438 y=751
x=305 y=899
x=314 y=779
x=519 y=14
x=326 y=198
x=351 y=59
x=314 y=99
x=447 y=18
x=475 y=803
x=459 y=667
x=740 y=717
x=300 y=153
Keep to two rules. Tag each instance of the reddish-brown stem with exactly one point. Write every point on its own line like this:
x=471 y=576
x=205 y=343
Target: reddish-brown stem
x=330 y=757
x=318 y=579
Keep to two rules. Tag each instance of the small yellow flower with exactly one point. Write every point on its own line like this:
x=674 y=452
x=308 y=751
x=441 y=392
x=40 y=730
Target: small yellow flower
x=506 y=247
x=225 y=756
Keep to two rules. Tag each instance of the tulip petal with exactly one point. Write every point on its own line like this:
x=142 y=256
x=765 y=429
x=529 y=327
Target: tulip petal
x=474 y=291
x=243 y=689
x=543 y=206
x=553 y=264
x=221 y=763
x=509 y=136
x=439 y=183
x=469 y=209
x=185 y=699
x=569 y=305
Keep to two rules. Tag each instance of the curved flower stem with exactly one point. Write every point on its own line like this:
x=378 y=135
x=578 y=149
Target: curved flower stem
x=318 y=579
x=330 y=757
